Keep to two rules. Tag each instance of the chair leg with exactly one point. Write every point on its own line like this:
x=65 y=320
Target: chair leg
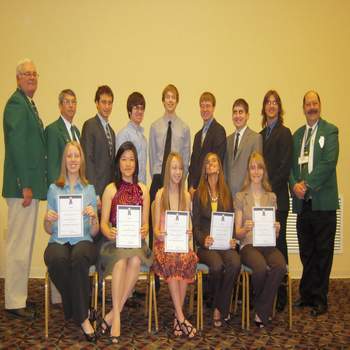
x=274 y=306
x=191 y=303
x=290 y=301
x=247 y=299
x=200 y=300
x=149 y=294
x=103 y=298
x=47 y=282
x=154 y=295
x=238 y=284
x=95 y=294
x=244 y=286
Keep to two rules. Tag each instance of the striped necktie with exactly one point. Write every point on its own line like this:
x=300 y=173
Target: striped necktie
x=109 y=140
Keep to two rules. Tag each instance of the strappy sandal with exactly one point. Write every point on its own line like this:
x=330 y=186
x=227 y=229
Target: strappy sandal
x=177 y=330
x=113 y=339
x=104 y=327
x=188 y=329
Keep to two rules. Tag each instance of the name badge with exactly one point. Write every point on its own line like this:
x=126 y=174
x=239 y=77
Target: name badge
x=303 y=160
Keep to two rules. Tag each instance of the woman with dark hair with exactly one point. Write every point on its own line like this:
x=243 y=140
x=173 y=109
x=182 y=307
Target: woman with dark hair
x=122 y=263
x=213 y=195
x=267 y=263
x=68 y=259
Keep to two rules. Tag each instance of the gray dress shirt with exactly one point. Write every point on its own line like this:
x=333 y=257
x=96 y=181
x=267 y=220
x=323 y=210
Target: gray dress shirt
x=180 y=142
x=134 y=133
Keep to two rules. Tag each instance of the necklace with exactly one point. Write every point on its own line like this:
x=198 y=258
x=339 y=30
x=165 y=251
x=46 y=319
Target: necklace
x=213 y=198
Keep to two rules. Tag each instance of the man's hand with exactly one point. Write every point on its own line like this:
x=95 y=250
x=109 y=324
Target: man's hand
x=192 y=191
x=27 y=196
x=300 y=189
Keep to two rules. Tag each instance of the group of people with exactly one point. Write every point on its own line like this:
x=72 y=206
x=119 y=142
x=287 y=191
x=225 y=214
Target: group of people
x=226 y=174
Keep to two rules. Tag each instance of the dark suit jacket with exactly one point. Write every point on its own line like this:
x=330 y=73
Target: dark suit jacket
x=215 y=141
x=277 y=150
x=322 y=181
x=202 y=219
x=57 y=136
x=25 y=149
x=99 y=165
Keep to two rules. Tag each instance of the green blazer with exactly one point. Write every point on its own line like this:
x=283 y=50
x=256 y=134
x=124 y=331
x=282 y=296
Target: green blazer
x=57 y=136
x=322 y=181
x=25 y=149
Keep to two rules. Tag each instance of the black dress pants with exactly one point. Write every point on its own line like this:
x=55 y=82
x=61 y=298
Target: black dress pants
x=68 y=267
x=316 y=234
x=268 y=267
x=224 y=267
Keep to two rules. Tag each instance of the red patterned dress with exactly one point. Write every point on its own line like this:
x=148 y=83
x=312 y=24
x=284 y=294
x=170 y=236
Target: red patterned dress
x=180 y=266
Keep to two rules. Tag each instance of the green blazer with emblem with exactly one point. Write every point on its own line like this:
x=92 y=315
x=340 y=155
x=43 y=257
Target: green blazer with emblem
x=322 y=181
x=25 y=149
x=57 y=136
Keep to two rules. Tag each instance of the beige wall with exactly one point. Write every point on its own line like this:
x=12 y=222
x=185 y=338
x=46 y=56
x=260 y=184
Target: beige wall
x=232 y=48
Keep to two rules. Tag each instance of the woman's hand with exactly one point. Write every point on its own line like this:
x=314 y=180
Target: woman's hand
x=160 y=235
x=144 y=231
x=51 y=216
x=233 y=243
x=112 y=234
x=248 y=226
x=89 y=211
x=277 y=226
x=208 y=241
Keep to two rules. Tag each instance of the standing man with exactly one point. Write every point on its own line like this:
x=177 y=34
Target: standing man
x=98 y=142
x=61 y=132
x=24 y=184
x=211 y=138
x=240 y=145
x=313 y=181
x=277 y=151
x=133 y=131
x=168 y=133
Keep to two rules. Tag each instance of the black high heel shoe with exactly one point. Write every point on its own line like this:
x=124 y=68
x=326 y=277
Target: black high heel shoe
x=104 y=327
x=90 y=337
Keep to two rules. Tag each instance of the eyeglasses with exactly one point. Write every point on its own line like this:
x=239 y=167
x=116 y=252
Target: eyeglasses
x=271 y=103
x=138 y=108
x=30 y=74
x=69 y=102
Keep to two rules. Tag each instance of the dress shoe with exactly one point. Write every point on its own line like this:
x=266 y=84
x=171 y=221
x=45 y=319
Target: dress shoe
x=302 y=303
x=90 y=337
x=23 y=313
x=280 y=305
x=318 y=310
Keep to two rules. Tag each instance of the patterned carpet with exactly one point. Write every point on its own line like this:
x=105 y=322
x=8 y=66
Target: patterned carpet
x=330 y=331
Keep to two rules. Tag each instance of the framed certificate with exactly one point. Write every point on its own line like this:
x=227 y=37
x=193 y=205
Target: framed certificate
x=70 y=216
x=221 y=229
x=264 y=232
x=128 y=226
x=176 y=226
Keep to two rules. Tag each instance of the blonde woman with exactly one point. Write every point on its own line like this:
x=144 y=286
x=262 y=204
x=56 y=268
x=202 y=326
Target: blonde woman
x=177 y=269
x=267 y=263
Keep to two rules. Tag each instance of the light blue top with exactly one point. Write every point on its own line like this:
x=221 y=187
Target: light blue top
x=180 y=142
x=89 y=198
x=134 y=133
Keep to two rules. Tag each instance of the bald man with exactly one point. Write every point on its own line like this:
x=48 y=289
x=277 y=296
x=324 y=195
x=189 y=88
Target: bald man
x=313 y=184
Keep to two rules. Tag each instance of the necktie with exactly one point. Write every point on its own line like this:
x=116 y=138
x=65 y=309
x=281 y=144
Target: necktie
x=305 y=166
x=268 y=133
x=37 y=114
x=236 y=146
x=167 y=148
x=204 y=133
x=109 y=140
x=74 y=138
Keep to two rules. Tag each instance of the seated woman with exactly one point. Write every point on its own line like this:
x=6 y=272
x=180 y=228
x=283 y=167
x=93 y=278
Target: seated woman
x=267 y=263
x=177 y=269
x=213 y=195
x=122 y=263
x=68 y=259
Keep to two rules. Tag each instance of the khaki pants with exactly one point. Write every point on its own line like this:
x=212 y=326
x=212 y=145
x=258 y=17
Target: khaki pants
x=19 y=246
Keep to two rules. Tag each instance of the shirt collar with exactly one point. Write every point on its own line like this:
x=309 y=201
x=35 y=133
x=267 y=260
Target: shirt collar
x=273 y=124
x=66 y=122
x=138 y=128
x=103 y=121
x=241 y=132
x=207 y=124
x=312 y=127
x=168 y=117
x=77 y=186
